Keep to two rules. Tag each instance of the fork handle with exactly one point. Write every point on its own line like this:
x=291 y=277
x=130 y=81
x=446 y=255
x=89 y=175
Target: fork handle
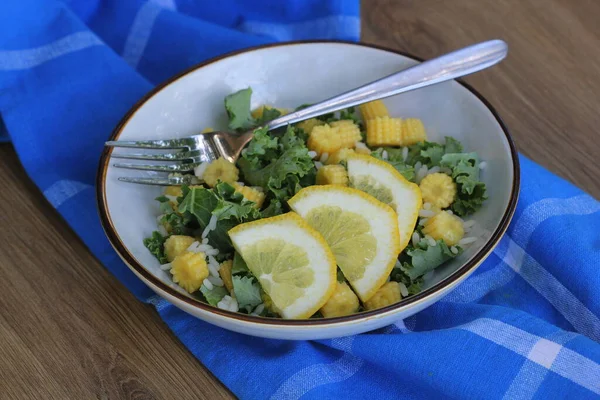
x=449 y=66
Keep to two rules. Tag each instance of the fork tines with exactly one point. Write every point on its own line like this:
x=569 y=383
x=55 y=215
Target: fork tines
x=191 y=152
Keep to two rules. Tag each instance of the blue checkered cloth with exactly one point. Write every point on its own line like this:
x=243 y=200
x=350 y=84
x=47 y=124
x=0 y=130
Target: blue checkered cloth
x=524 y=326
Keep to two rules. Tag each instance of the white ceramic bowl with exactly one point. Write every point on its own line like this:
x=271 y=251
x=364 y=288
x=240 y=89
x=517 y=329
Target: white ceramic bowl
x=287 y=75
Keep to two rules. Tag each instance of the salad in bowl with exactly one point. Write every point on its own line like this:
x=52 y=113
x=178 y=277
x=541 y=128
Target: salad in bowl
x=332 y=216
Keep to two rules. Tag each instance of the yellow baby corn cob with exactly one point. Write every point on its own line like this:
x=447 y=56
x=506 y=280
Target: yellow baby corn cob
x=339 y=156
x=444 y=226
x=342 y=302
x=309 y=124
x=220 y=170
x=362 y=148
x=189 y=270
x=348 y=131
x=413 y=131
x=332 y=175
x=250 y=193
x=373 y=109
x=225 y=274
x=329 y=139
x=384 y=131
x=173 y=191
x=176 y=245
x=438 y=189
x=386 y=295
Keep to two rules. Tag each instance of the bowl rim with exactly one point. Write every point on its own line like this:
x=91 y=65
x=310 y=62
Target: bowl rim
x=449 y=281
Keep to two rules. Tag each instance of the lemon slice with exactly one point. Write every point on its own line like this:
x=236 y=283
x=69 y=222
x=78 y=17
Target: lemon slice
x=291 y=261
x=361 y=231
x=385 y=183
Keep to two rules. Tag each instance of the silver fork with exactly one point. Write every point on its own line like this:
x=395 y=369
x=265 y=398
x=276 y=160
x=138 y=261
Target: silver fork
x=206 y=147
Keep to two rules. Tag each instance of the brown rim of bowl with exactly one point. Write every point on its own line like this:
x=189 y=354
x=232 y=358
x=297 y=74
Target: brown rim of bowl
x=116 y=242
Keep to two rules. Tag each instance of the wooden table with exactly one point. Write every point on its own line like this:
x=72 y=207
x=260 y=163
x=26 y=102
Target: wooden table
x=95 y=340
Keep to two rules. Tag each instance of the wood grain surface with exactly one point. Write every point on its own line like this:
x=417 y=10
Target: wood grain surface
x=69 y=330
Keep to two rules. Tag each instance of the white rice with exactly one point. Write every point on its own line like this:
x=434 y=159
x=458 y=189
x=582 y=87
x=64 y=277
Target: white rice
x=212 y=252
x=208 y=284
x=430 y=241
x=421 y=173
x=224 y=303
x=467 y=240
x=426 y=213
x=162 y=230
x=446 y=170
x=241 y=183
x=213 y=271
x=206 y=248
x=470 y=223
x=312 y=154
x=423 y=221
x=215 y=281
x=416 y=238
x=482 y=165
x=324 y=158
x=404 y=153
x=361 y=145
x=213 y=266
x=427 y=206
x=205 y=241
x=213 y=222
x=418 y=165
x=384 y=155
x=205 y=232
x=166 y=267
x=213 y=261
x=211 y=226
x=233 y=305
x=198 y=247
x=259 y=309
x=454 y=250
x=450 y=212
x=433 y=170
x=318 y=165
x=403 y=289
x=199 y=170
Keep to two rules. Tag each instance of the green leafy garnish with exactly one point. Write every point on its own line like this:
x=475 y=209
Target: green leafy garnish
x=233 y=205
x=238 y=110
x=413 y=285
x=425 y=258
x=452 y=145
x=214 y=295
x=431 y=153
x=274 y=208
x=177 y=224
x=285 y=171
x=396 y=161
x=155 y=244
x=465 y=172
x=229 y=207
x=351 y=114
x=262 y=149
x=268 y=114
x=247 y=292
x=239 y=266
